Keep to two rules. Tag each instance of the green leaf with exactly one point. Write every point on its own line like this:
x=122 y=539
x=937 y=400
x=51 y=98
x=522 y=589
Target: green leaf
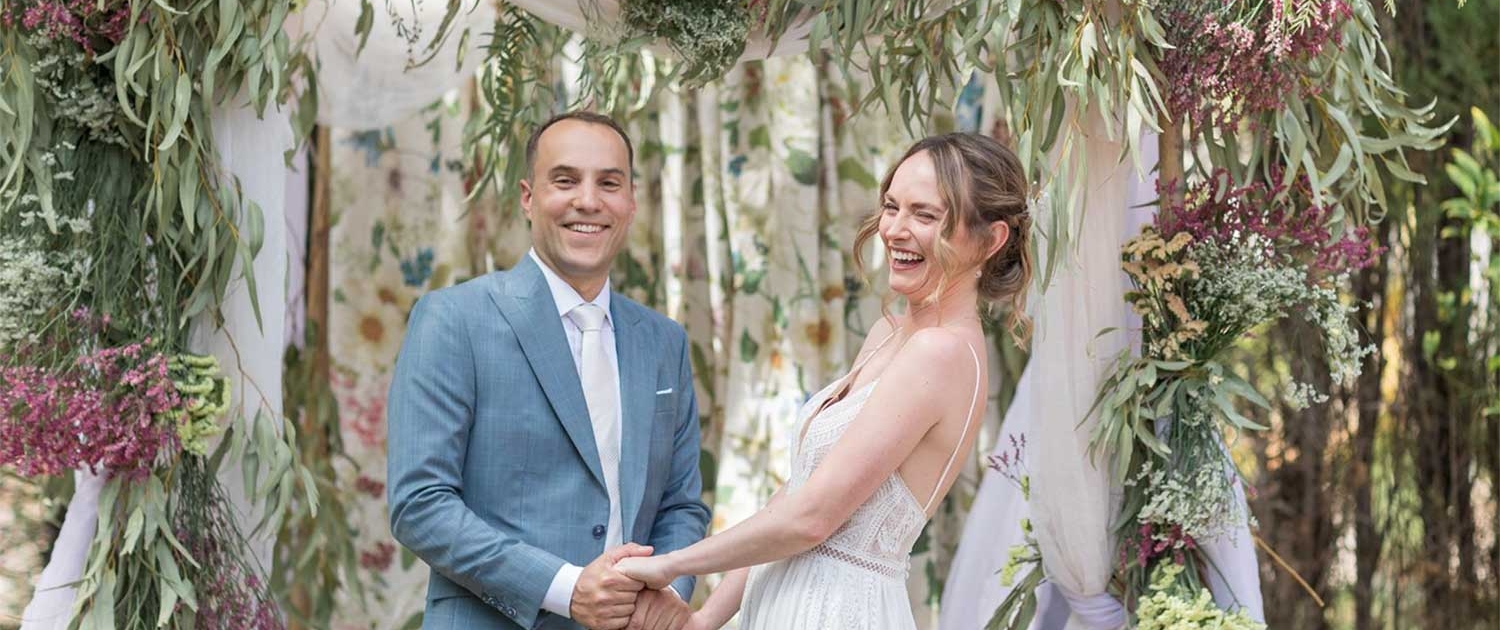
x=183 y=90
x=749 y=349
x=133 y=530
x=851 y=169
x=760 y=137
x=804 y=167
x=1241 y=387
x=1087 y=43
x=1226 y=407
x=168 y=603
x=310 y=489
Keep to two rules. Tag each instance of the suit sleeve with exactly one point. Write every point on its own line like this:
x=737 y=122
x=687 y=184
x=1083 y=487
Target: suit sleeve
x=683 y=518
x=430 y=414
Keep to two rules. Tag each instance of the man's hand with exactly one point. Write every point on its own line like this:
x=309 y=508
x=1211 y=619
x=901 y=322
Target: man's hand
x=603 y=598
x=659 y=610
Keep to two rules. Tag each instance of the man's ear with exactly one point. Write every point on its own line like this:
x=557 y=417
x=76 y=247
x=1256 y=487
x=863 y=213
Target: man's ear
x=526 y=198
x=999 y=236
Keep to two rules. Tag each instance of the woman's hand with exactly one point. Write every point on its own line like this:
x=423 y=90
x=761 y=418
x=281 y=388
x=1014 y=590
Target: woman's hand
x=653 y=571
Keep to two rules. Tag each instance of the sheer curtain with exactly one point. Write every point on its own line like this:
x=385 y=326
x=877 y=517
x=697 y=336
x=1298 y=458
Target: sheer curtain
x=1072 y=500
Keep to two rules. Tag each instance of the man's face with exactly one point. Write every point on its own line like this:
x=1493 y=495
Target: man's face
x=580 y=201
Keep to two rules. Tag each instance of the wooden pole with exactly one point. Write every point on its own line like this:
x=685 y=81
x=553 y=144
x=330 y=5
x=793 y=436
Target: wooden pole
x=317 y=256
x=317 y=349
x=1169 y=167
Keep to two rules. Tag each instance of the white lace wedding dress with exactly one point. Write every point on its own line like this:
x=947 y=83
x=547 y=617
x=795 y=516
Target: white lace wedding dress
x=855 y=580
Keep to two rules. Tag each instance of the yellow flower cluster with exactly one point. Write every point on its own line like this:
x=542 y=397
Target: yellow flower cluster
x=1168 y=609
x=1157 y=268
x=206 y=397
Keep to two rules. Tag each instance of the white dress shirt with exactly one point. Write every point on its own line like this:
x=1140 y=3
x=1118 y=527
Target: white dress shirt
x=559 y=597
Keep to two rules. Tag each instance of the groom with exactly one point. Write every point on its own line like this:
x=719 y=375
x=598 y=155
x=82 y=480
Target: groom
x=542 y=427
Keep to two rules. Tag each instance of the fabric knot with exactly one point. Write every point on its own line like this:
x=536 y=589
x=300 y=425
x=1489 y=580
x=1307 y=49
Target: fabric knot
x=587 y=316
x=1098 y=611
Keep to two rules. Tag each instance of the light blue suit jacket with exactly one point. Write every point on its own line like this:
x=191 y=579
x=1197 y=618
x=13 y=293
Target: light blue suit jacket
x=493 y=475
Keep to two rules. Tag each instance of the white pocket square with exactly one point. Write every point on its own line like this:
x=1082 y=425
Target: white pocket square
x=664 y=392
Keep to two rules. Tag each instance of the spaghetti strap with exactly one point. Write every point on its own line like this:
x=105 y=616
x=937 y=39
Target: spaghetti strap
x=873 y=351
x=969 y=419
x=843 y=383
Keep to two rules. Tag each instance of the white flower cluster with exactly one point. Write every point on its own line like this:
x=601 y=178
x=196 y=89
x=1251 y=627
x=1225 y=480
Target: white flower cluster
x=1202 y=503
x=1340 y=341
x=1303 y=395
x=82 y=97
x=54 y=221
x=1241 y=286
x=33 y=283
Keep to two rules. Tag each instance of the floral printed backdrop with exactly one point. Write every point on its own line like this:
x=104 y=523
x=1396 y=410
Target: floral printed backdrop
x=749 y=190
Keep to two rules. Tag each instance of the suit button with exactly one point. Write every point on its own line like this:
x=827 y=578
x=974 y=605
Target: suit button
x=598 y=531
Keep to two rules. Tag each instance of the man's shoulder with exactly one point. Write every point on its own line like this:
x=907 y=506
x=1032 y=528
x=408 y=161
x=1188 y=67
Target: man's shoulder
x=476 y=288
x=663 y=325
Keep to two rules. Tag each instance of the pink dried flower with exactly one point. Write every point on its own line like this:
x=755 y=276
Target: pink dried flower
x=1229 y=61
x=379 y=558
x=86 y=23
x=369 y=486
x=1218 y=209
x=113 y=409
x=230 y=596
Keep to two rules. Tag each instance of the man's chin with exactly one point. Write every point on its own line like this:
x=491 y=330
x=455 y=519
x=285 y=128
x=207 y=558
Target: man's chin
x=585 y=266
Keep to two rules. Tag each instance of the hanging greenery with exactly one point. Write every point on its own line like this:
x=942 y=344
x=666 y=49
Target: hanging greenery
x=707 y=36
x=123 y=229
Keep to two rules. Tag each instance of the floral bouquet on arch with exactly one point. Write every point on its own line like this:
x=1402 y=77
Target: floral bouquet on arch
x=1214 y=267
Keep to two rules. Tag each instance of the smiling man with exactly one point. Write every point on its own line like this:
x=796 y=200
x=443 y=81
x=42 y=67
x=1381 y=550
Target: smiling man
x=542 y=427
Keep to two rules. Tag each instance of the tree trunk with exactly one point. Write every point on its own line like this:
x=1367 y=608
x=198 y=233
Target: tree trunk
x=1369 y=292
x=1297 y=501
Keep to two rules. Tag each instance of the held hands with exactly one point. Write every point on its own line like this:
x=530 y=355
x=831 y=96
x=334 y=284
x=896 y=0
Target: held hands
x=607 y=598
x=649 y=570
x=659 y=610
x=604 y=598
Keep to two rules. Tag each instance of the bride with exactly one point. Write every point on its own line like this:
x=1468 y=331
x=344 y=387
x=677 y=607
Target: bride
x=878 y=448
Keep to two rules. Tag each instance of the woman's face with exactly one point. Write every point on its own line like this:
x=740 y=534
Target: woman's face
x=911 y=223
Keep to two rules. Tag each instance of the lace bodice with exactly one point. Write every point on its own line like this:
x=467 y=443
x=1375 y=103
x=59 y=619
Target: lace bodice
x=856 y=579
x=879 y=534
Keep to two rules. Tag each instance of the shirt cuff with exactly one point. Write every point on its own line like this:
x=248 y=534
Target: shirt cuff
x=673 y=591
x=559 y=598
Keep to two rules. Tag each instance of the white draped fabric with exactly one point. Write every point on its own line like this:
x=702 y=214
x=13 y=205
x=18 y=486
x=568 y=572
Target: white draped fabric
x=54 y=595
x=372 y=88
x=1072 y=501
x=1072 y=498
x=1234 y=575
x=251 y=149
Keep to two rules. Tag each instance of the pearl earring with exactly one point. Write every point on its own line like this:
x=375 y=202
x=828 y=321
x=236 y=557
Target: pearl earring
x=978 y=273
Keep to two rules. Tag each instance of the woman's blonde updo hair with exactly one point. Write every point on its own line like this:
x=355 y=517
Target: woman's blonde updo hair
x=980 y=182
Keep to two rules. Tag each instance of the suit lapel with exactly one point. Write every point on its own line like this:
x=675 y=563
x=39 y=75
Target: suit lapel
x=633 y=346
x=525 y=301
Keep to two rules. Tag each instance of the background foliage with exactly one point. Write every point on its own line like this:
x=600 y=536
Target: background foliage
x=1385 y=499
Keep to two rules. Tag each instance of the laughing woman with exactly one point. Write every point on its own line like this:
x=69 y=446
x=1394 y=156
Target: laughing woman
x=880 y=447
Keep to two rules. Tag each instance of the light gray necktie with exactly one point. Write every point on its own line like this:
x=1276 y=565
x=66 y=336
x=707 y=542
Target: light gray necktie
x=599 y=391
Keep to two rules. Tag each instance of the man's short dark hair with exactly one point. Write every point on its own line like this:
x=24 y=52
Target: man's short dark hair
x=582 y=116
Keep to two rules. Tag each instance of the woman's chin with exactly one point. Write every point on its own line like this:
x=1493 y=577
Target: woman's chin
x=912 y=292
